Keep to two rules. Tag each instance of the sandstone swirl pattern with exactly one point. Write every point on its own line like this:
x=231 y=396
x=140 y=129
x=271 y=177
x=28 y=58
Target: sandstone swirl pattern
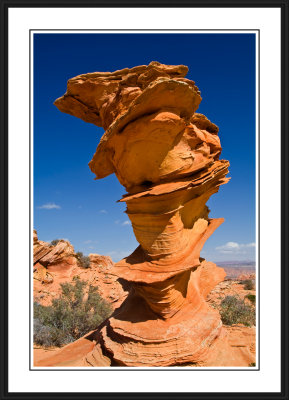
x=167 y=157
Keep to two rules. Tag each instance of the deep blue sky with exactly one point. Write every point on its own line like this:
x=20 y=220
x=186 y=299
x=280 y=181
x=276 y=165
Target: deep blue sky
x=223 y=67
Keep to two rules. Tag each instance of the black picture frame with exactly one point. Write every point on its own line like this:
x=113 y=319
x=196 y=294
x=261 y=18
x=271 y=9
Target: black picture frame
x=284 y=8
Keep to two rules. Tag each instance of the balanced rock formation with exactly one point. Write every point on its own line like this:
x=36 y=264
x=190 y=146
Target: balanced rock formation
x=167 y=157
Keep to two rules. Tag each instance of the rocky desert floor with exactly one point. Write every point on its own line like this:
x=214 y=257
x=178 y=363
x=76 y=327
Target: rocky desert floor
x=57 y=264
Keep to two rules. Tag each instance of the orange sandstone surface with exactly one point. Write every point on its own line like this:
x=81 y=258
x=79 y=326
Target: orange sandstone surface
x=54 y=265
x=167 y=157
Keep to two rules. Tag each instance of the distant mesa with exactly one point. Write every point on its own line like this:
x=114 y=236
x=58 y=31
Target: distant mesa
x=240 y=270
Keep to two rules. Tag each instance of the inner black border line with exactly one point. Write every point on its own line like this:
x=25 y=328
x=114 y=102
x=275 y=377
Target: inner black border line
x=257 y=117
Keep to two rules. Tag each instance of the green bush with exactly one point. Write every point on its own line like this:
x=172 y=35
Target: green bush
x=252 y=298
x=54 y=242
x=84 y=261
x=78 y=310
x=47 y=336
x=249 y=284
x=233 y=310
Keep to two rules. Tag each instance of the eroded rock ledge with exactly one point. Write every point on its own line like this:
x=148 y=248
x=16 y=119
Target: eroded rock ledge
x=167 y=157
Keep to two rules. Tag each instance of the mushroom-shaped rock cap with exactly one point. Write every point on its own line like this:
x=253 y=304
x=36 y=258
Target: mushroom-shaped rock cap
x=114 y=99
x=89 y=94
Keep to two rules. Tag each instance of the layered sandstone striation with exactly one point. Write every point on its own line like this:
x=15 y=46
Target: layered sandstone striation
x=49 y=261
x=54 y=265
x=167 y=157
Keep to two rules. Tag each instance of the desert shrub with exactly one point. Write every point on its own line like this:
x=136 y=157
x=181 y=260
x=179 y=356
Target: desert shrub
x=54 y=242
x=84 y=261
x=252 y=365
x=249 y=284
x=46 y=335
x=252 y=298
x=78 y=310
x=233 y=310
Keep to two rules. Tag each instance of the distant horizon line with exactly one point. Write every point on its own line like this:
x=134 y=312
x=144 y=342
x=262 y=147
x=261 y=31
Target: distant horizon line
x=236 y=262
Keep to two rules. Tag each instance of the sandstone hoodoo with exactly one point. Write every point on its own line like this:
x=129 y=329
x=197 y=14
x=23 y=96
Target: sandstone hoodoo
x=167 y=157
